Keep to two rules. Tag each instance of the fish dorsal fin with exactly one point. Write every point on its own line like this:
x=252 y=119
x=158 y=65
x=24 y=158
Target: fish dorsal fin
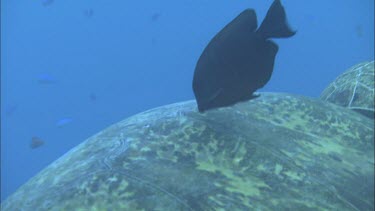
x=246 y=19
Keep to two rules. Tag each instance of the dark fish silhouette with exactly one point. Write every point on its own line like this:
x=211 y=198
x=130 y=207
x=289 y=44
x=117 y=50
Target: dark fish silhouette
x=46 y=79
x=92 y=97
x=10 y=109
x=64 y=121
x=36 y=142
x=359 y=30
x=239 y=59
x=47 y=2
x=88 y=12
x=155 y=16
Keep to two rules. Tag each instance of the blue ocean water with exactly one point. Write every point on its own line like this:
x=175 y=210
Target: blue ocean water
x=71 y=68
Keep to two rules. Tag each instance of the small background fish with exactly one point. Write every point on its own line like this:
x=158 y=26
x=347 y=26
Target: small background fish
x=47 y=2
x=92 y=97
x=36 y=142
x=155 y=16
x=46 y=79
x=63 y=122
x=88 y=12
x=10 y=109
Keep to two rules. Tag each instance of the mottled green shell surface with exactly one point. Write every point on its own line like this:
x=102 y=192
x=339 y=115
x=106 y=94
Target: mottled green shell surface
x=276 y=152
x=353 y=89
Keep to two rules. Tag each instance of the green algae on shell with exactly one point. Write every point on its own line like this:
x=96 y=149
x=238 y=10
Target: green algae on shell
x=276 y=152
x=353 y=89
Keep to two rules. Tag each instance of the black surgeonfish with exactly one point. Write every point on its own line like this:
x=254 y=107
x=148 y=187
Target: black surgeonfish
x=239 y=59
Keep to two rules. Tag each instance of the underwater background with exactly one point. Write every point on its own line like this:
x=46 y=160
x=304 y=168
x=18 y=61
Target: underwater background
x=71 y=68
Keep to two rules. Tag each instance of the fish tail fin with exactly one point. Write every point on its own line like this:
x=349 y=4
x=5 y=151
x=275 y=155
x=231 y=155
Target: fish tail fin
x=275 y=24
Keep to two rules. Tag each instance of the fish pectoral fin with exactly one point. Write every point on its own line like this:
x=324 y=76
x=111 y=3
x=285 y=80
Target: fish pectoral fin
x=249 y=96
x=213 y=96
x=255 y=95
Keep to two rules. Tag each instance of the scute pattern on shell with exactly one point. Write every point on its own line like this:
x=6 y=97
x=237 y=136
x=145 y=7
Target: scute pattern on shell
x=276 y=152
x=353 y=89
